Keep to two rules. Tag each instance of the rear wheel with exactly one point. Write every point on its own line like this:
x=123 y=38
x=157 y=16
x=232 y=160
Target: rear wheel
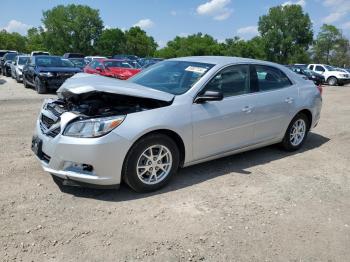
x=296 y=133
x=150 y=163
x=39 y=87
x=332 y=81
x=25 y=83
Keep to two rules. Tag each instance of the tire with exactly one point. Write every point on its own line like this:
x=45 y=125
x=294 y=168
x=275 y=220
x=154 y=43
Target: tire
x=145 y=179
x=18 y=79
x=293 y=143
x=25 y=82
x=39 y=87
x=332 y=81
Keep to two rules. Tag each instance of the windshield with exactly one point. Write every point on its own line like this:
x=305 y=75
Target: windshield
x=117 y=64
x=23 y=60
x=329 y=68
x=53 y=61
x=10 y=56
x=175 y=77
x=78 y=62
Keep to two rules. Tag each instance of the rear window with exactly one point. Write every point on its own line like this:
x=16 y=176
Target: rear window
x=271 y=78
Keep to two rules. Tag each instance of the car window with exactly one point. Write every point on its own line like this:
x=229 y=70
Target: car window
x=231 y=81
x=271 y=78
x=319 y=68
x=93 y=64
x=311 y=67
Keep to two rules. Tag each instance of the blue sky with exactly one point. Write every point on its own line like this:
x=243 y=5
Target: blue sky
x=164 y=19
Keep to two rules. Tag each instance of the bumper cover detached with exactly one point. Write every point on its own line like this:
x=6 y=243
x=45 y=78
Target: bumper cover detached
x=88 y=162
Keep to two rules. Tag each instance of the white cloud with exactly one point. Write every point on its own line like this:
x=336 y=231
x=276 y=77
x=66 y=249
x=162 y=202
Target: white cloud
x=161 y=44
x=173 y=13
x=17 y=26
x=299 y=2
x=215 y=8
x=338 y=10
x=346 y=26
x=248 y=31
x=145 y=23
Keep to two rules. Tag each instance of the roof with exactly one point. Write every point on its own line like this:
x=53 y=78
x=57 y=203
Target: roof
x=221 y=60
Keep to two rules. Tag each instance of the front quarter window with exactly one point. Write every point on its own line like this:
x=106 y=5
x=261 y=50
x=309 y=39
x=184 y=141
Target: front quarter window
x=175 y=77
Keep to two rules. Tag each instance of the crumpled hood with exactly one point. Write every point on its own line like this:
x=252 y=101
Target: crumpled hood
x=83 y=83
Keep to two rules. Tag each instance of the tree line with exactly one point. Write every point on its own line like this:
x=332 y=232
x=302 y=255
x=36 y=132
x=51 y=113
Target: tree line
x=285 y=36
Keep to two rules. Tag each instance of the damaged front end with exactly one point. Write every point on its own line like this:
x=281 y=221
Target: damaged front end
x=91 y=114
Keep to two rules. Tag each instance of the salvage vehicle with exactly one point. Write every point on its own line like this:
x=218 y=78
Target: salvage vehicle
x=179 y=112
x=6 y=63
x=17 y=67
x=2 y=54
x=89 y=59
x=35 y=53
x=78 y=62
x=117 y=68
x=332 y=75
x=318 y=79
x=73 y=55
x=47 y=72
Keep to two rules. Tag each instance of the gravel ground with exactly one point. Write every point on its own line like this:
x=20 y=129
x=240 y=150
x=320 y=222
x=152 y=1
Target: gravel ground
x=264 y=205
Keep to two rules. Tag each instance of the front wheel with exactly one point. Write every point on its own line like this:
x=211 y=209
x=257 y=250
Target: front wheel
x=150 y=163
x=39 y=87
x=332 y=81
x=296 y=133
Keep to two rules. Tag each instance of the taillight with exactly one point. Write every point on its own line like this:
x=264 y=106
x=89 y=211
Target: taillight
x=320 y=89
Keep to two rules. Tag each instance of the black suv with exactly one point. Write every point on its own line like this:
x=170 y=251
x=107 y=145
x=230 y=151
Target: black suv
x=47 y=72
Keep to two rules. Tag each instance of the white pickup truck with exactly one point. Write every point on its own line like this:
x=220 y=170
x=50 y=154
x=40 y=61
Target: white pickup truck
x=332 y=75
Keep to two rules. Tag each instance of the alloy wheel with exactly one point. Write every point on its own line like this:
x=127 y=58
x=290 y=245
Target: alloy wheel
x=154 y=164
x=297 y=132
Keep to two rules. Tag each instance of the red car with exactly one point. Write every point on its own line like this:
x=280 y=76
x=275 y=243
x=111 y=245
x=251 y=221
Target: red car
x=117 y=68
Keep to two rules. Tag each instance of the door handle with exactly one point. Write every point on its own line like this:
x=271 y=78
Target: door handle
x=247 y=109
x=289 y=100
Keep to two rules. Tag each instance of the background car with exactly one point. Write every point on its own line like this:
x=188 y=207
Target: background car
x=6 y=63
x=34 y=53
x=332 y=76
x=73 y=55
x=47 y=72
x=318 y=79
x=17 y=67
x=89 y=59
x=78 y=62
x=126 y=57
x=117 y=68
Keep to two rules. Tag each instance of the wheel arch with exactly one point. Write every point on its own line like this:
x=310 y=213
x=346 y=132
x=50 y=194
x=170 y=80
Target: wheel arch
x=307 y=113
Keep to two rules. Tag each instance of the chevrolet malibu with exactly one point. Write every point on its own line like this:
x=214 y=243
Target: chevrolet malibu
x=102 y=131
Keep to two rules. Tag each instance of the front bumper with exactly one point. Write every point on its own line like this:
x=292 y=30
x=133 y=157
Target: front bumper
x=343 y=81
x=66 y=157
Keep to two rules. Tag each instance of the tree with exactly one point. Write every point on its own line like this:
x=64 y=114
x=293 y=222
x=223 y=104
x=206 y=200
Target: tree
x=35 y=39
x=331 y=47
x=286 y=32
x=12 y=41
x=139 y=43
x=111 y=42
x=192 y=45
x=236 y=46
x=72 y=28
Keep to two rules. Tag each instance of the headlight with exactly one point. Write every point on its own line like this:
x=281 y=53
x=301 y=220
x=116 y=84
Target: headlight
x=94 y=127
x=47 y=74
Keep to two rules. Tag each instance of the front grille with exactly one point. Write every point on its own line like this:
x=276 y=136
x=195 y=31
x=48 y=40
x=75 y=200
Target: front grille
x=45 y=158
x=46 y=121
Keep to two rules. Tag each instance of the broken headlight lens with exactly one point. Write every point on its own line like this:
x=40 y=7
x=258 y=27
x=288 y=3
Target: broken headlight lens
x=94 y=127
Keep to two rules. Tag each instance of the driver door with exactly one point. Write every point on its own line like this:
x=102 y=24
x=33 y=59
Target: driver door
x=222 y=126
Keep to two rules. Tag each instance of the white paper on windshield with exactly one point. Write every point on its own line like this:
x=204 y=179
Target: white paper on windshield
x=196 y=69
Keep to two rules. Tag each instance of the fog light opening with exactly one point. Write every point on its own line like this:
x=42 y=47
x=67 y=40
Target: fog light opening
x=78 y=167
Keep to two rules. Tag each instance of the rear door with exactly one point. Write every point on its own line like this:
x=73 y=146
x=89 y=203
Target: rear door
x=274 y=102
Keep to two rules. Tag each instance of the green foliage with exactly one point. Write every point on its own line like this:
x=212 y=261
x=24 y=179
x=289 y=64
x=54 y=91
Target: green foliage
x=139 y=43
x=331 y=47
x=286 y=32
x=35 y=39
x=12 y=41
x=72 y=28
x=193 y=45
x=253 y=48
x=111 y=42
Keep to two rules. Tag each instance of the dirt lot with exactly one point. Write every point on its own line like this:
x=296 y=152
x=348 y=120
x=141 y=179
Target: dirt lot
x=265 y=205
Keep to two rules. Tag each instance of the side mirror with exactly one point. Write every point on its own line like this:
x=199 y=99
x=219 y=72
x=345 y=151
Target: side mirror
x=99 y=69
x=209 y=96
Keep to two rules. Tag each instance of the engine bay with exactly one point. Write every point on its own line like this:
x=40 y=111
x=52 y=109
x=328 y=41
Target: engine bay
x=100 y=104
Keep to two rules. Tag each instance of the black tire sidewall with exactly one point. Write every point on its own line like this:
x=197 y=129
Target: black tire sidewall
x=39 y=87
x=286 y=140
x=129 y=168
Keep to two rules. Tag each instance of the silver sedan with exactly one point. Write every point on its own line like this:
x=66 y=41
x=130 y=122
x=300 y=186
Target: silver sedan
x=179 y=112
